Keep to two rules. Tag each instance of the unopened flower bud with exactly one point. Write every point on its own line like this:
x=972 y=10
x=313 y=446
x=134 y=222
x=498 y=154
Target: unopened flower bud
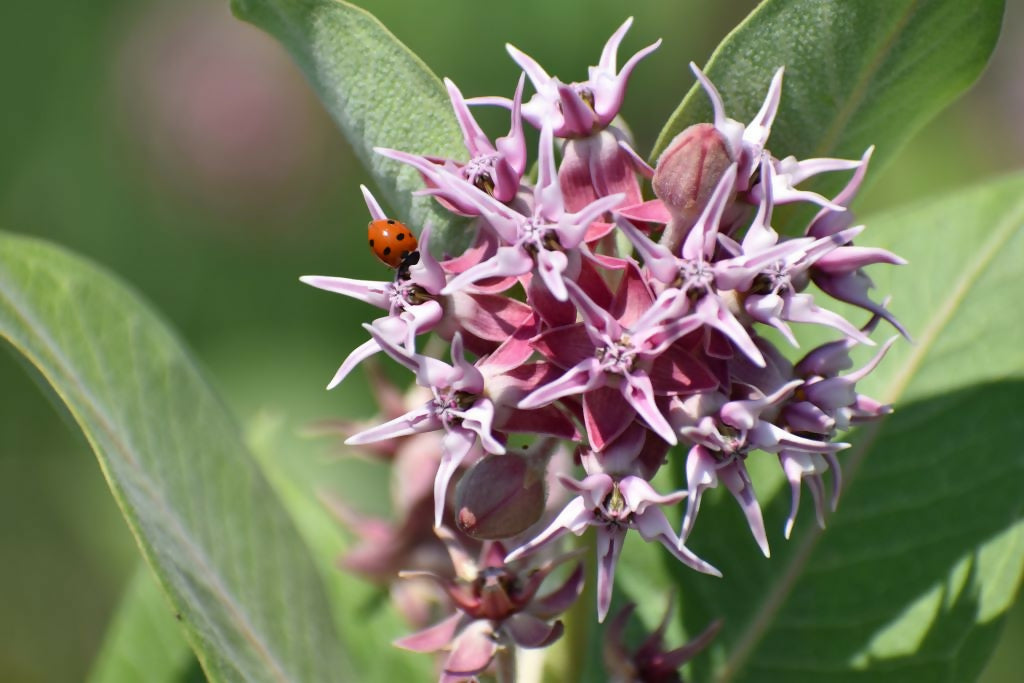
x=689 y=170
x=500 y=496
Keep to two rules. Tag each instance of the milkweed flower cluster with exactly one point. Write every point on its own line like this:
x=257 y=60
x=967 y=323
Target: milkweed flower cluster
x=633 y=330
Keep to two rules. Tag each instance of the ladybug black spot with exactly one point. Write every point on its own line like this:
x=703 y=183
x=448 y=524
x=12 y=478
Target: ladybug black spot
x=400 y=236
x=371 y=243
x=387 y=250
x=391 y=221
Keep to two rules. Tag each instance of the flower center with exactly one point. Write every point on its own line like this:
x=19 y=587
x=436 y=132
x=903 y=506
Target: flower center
x=536 y=235
x=492 y=578
x=498 y=592
x=449 y=405
x=403 y=295
x=696 y=278
x=480 y=171
x=733 y=443
x=617 y=356
x=775 y=279
x=614 y=509
x=585 y=91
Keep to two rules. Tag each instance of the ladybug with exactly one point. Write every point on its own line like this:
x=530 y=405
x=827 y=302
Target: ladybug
x=392 y=242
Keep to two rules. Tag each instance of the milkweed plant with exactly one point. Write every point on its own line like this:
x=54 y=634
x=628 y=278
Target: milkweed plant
x=585 y=322
x=630 y=378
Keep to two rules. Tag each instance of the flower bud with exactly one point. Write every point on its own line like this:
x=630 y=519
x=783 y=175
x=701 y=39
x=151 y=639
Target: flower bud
x=500 y=496
x=689 y=170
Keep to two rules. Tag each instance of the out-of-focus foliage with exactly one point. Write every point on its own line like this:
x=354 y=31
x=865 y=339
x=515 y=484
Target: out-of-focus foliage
x=380 y=93
x=180 y=148
x=141 y=642
x=916 y=568
x=857 y=74
x=228 y=555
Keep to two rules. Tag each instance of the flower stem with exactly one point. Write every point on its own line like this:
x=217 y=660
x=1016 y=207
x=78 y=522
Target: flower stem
x=579 y=620
x=505 y=664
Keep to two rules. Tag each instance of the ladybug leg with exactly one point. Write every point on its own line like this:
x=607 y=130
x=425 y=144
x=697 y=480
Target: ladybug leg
x=408 y=260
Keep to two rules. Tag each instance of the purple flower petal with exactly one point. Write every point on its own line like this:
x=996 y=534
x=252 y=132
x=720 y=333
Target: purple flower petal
x=585 y=377
x=480 y=419
x=652 y=525
x=737 y=480
x=639 y=494
x=358 y=355
x=456 y=445
x=637 y=390
x=609 y=546
x=473 y=650
x=574 y=517
x=560 y=599
x=433 y=638
x=370 y=291
x=507 y=262
x=604 y=414
x=701 y=474
x=529 y=631
x=414 y=422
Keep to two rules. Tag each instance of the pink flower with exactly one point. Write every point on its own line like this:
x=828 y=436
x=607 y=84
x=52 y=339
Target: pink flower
x=613 y=507
x=627 y=355
x=577 y=109
x=493 y=168
x=467 y=404
x=723 y=433
x=542 y=239
x=745 y=142
x=556 y=324
x=415 y=305
x=498 y=607
x=650 y=662
x=692 y=279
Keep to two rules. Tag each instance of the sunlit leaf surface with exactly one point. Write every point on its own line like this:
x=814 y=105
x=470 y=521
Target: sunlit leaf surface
x=377 y=90
x=911 y=578
x=863 y=73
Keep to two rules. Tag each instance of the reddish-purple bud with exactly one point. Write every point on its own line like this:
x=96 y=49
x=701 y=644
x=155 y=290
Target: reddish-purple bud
x=500 y=496
x=689 y=170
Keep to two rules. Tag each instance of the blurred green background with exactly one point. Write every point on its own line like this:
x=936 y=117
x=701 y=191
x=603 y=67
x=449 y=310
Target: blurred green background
x=181 y=149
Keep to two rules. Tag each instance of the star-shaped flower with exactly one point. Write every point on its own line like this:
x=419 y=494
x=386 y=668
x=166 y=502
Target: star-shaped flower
x=497 y=608
x=577 y=109
x=467 y=404
x=613 y=507
x=631 y=356
x=542 y=239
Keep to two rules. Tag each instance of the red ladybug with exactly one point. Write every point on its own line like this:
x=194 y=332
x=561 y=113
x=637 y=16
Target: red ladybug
x=392 y=242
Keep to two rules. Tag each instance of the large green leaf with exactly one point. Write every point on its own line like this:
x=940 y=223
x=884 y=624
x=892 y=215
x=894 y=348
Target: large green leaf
x=223 y=548
x=144 y=641
x=377 y=90
x=303 y=471
x=916 y=569
x=869 y=72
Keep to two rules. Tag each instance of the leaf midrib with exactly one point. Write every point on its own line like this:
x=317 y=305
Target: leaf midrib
x=860 y=90
x=176 y=526
x=783 y=585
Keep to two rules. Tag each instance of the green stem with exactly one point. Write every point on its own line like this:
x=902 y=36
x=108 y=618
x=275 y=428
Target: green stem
x=505 y=664
x=579 y=620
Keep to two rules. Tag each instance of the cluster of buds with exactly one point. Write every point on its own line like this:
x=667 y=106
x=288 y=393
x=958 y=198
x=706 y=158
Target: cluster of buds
x=583 y=314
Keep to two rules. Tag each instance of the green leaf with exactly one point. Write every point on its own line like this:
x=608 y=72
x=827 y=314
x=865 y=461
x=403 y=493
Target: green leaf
x=304 y=475
x=863 y=73
x=144 y=642
x=913 y=575
x=204 y=517
x=377 y=90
